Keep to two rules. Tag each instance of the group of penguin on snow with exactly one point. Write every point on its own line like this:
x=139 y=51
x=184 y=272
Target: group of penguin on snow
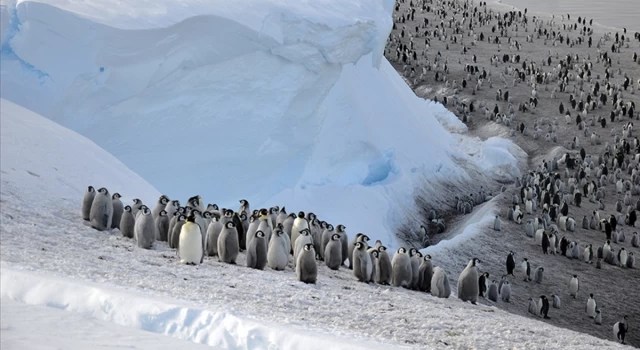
x=270 y=237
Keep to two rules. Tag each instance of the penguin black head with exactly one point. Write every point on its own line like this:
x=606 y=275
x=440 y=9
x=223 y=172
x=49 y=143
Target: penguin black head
x=191 y=218
x=182 y=210
x=196 y=212
x=591 y=295
x=207 y=215
x=301 y=215
x=243 y=216
x=374 y=253
x=280 y=226
x=324 y=224
x=575 y=276
x=264 y=211
x=255 y=212
x=486 y=274
x=163 y=213
x=116 y=196
x=330 y=227
x=143 y=207
x=137 y=201
x=90 y=189
x=292 y=215
x=230 y=225
x=283 y=210
x=127 y=208
x=541 y=269
x=244 y=202
x=163 y=199
x=228 y=213
x=103 y=191
x=365 y=238
x=259 y=234
x=428 y=257
x=360 y=245
x=308 y=247
x=312 y=216
x=335 y=237
x=274 y=210
x=340 y=228
x=543 y=297
x=182 y=217
x=412 y=252
x=402 y=250
x=304 y=231
x=475 y=261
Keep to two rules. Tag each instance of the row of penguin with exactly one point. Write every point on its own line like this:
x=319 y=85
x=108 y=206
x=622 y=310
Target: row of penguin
x=270 y=237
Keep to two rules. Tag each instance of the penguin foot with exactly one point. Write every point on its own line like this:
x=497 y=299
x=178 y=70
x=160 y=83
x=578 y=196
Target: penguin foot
x=473 y=302
x=547 y=317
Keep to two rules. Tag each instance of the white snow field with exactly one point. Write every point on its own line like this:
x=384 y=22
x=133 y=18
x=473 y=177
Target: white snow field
x=283 y=102
x=52 y=261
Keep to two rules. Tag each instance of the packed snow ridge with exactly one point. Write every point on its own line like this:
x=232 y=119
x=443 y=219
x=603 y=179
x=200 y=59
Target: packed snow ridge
x=281 y=102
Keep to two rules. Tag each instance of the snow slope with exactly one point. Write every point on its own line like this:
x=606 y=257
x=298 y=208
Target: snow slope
x=50 y=258
x=281 y=102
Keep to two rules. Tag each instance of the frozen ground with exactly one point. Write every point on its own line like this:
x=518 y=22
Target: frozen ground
x=50 y=258
x=290 y=103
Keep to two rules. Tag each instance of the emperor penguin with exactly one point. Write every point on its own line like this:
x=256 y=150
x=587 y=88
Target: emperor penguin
x=622 y=257
x=360 y=237
x=160 y=206
x=401 y=269
x=543 y=305
x=196 y=202
x=101 y=212
x=304 y=237
x=533 y=307
x=492 y=293
x=631 y=260
x=172 y=207
x=306 y=268
x=440 y=283
x=362 y=266
x=202 y=223
x=87 y=201
x=497 y=224
x=145 y=229
x=282 y=216
x=505 y=292
x=127 y=222
x=416 y=259
x=299 y=224
x=264 y=225
x=162 y=226
x=254 y=223
x=257 y=252
x=635 y=241
x=211 y=239
x=190 y=248
x=228 y=246
x=288 y=225
x=273 y=215
x=587 y=254
x=511 y=263
x=591 y=306
x=174 y=233
x=327 y=233
x=241 y=232
x=278 y=252
x=373 y=253
x=598 y=318
x=483 y=284
x=344 y=240
x=526 y=268
x=468 y=282
x=426 y=272
x=539 y=274
x=118 y=209
x=244 y=208
x=333 y=252
x=574 y=286
x=556 y=301
x=620 y=329
x=135 y=208
x=384 y=267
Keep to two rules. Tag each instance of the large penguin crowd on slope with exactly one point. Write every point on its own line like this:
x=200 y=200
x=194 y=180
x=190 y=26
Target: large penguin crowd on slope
x=545 y=194
x=279 y=240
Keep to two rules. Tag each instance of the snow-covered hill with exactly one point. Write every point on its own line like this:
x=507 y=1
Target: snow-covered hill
x=282 y=102
x=52 y=260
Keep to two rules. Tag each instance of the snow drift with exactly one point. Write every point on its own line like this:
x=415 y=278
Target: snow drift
x=282 y=102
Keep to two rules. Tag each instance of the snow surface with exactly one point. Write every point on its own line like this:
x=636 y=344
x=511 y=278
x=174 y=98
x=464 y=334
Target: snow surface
x=281 y=102
x=50 y=258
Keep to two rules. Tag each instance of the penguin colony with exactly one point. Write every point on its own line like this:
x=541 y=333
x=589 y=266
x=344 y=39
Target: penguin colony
x=268 y=237
x=599 y=160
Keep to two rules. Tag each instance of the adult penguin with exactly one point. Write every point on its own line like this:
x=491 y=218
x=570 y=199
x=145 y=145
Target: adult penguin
x=333 y=252
x=257 y=252
x=228 y=247
x=620 y=329
x=101 y=212
x=127 y=223
x=162 y=226
x=278 y=252
x=440 y=283
x=306 y=268
x=543 y=304
x=190 y=247
x=468 y=282
x=241 y=233
x=87 y=201
x=591 y=306
x=511 y=263
x=483 y=284
x=362 y=266
x=384 y=267
x=299 y=224
x=401 y=269
x=426 y=272
x=526 y=268
x=118 y=209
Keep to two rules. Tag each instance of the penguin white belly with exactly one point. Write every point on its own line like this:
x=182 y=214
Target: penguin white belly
x=539 y=235
x=591 y=308
x=190 y=247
